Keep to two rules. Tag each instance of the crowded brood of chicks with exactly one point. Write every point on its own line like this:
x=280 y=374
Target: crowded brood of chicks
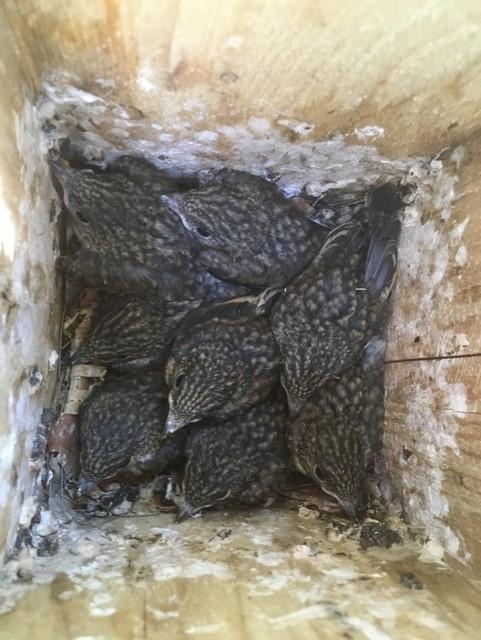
x=243 y=332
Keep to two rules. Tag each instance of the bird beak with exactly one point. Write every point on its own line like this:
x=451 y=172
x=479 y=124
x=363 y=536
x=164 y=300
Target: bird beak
x=185 y=512
x=173 y=424
x=60 y=170
x=350 y=507
x=85 y=486
x=171 y=202
x=174 y=205
x=295 y=406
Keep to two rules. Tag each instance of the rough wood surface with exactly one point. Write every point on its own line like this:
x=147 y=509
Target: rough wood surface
x=433 y=435
x=308 y=69
x=437 y=311
x=410 y=68
x=240 y=577
x=433 y=417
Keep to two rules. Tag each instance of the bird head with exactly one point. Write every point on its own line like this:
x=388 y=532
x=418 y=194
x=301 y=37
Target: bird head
x=104 y=452
x=339 y=465
x=298 y=386
x=186 y=511
x=193 y=213
x=201 y=381
x=79 y=189
x=208 y=496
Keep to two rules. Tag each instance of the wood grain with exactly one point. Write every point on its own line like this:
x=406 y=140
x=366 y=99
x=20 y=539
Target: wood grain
x=437 y=310
x=433 y=435
x=411 y=69
x=286 y=579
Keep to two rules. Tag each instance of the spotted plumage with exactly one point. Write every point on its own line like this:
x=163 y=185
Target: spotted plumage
x=240 y=460
x=335 y=439
x=121 y=425
x=248 y=232
x=148 y=176
x=132 y=332
x=223 y=360
x=333 y=309
x=129 y=239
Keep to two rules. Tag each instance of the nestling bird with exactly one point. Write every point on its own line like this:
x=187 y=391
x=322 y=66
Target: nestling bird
x=132 y=332
x=336 y=206
x=339 y=432
x=121 y=425
x=333 y=309
x=240 y=460
x=224 y=359
x=247 y=230
x=129 y=238
x=149 y=176
x=80 y=153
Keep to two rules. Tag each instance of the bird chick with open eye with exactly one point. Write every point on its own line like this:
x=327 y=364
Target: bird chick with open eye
x=121 y=430
x=331 y=311
x=240 y=460
x=129 y=238
x=224 y=359
x=248 y=232
x=335 y=439
x=132 y=332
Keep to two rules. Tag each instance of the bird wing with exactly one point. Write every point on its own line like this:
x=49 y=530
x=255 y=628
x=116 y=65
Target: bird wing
x=382 y=258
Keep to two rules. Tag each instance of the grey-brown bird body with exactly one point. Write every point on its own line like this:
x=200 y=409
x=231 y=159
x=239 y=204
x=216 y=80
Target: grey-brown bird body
x=132 y=332
x=335 y=307
x=248 y=232
x=79 y=153
x=129 y=238
x=148 y=176
x=121 y=425
x=224 y=359
x=339 y=430
x=240 y=460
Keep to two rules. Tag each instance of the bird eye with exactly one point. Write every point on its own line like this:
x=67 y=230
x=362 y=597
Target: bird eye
x=201 y=231
x=178 y=380
x=319 y=474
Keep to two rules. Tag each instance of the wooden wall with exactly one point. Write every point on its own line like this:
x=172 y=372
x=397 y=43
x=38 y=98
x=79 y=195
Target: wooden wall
x=410 y=68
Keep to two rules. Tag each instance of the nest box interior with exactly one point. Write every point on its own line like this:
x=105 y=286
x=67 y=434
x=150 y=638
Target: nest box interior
x=314 y=93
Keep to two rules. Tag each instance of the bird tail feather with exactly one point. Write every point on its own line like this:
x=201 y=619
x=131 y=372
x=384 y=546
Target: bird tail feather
x=346 y=238
x=382 y=259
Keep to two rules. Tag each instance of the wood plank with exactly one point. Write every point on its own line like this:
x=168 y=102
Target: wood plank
x=437 y=309
x=337 y=68
x=275 y=574
x=433 y=435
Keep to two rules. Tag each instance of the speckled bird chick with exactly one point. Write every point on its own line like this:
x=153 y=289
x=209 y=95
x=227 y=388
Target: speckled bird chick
x=148 y=176
x=129 y=238
x=79 y=153
x=331 y=311
x=224 y=359
x=132 y=332
x=121 y=425
x=247 y=230
x=237 y=461
x=340 y=429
